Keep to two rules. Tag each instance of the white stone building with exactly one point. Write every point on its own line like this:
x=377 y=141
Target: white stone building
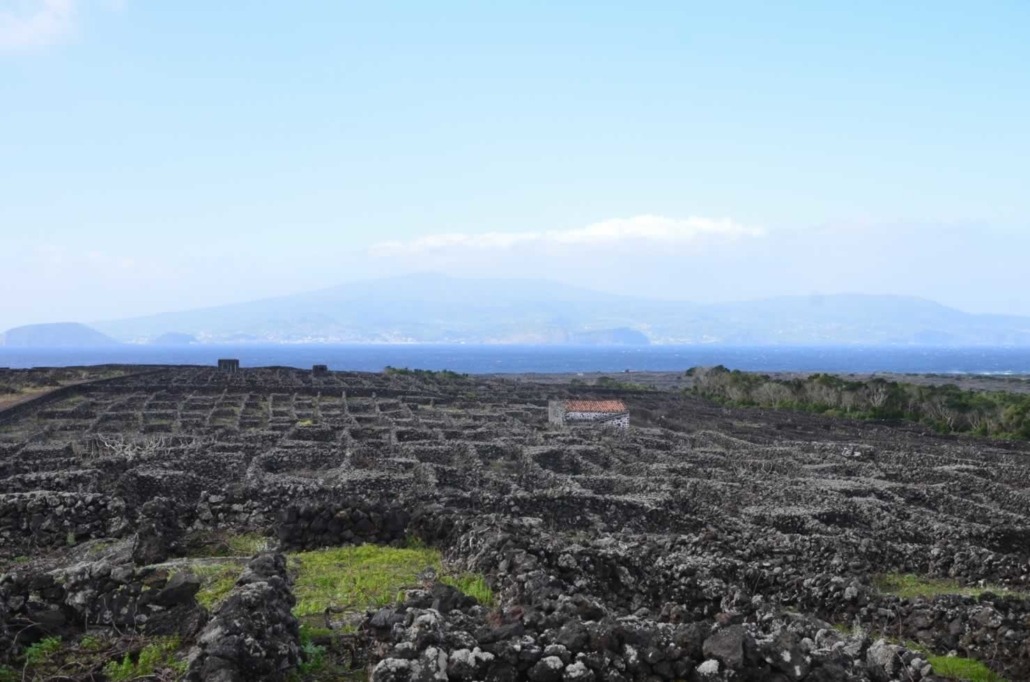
x=605 y=413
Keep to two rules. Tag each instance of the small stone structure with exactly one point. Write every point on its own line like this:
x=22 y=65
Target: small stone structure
x=230 y=365
x=320 y=370
x=605 y=413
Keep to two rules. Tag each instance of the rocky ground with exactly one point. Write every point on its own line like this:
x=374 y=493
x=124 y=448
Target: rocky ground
x=704 y=544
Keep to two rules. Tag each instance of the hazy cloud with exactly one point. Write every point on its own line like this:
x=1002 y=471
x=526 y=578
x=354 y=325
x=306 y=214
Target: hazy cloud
x=93 y=263
x=35 y=23
x=643 y=229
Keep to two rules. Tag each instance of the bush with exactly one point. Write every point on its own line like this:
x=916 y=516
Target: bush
x=42 y=650
x=946 y=408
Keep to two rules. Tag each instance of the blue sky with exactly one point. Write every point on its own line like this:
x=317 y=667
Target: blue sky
x=165 y=155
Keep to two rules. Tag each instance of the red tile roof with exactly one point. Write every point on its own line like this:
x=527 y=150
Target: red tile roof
x=595 y=406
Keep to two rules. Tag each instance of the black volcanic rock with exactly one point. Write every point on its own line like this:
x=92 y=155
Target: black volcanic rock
x=704 y=543
x=253 y=634
x=157 y=532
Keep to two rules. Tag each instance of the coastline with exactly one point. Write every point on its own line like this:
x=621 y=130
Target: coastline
x=549 y=360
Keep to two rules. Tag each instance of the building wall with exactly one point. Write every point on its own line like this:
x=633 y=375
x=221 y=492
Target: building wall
x=607 y=419
x=556 y=412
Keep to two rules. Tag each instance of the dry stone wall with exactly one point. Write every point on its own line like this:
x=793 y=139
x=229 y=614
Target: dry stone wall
x=313 y=526
x=63 y=602
x=47 y=519
x=252 y=635
x=705 y=543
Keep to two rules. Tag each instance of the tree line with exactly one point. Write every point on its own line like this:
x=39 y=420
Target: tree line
x=946 y=408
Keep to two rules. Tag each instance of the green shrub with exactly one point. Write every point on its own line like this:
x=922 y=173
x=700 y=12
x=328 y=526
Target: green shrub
x=42 y=650
x=93 y=643
x=444 y=374
x=944 y=408
x=313 y=659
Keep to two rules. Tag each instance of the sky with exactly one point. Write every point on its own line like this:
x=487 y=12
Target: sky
x=168 y=155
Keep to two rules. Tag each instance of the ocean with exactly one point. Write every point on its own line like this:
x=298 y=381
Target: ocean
x=489 y=359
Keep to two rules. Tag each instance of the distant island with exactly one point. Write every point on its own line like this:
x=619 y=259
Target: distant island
x=55 y=335
x=439 y=309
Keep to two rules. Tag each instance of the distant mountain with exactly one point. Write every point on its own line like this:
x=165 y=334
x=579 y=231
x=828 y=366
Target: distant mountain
x=440 y=309
x=421 y=308
x=610 y=337
x=60 y=334
x=859 y=319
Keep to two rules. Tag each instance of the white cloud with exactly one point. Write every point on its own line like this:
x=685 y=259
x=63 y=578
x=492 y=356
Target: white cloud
x=35 y=23
x=638 y=230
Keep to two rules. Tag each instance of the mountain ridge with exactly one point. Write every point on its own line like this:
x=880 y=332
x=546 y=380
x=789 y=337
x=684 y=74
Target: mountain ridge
x=442 y=309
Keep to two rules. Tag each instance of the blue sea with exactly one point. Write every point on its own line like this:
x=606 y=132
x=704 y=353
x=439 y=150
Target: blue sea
x=476 y=359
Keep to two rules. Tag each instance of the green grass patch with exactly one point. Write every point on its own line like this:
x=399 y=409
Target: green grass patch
x=948 y=667
x=216 y=581
x=246 y=544
x=956 y=667
x=122 y=658
x=368 y=576
x=221 y=544
x=910 y=586
x=308 y=632
x=473 y=585
x=356 y=578
x=156 y=656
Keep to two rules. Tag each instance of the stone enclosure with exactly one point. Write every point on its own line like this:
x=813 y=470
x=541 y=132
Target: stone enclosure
x=703 y=543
